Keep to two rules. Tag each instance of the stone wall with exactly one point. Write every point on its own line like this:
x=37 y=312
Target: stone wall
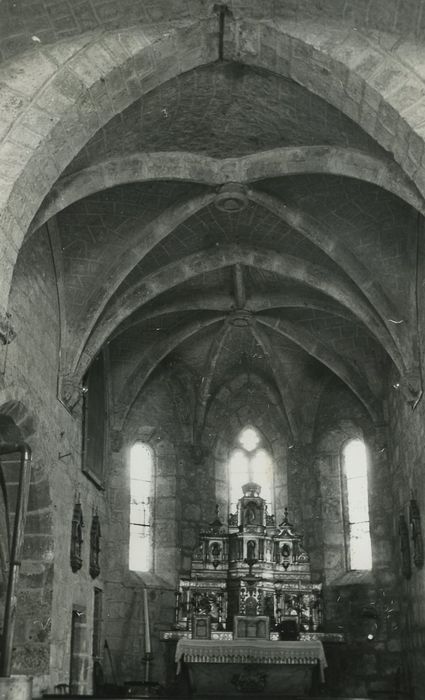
x=406 y=447
x=48 y=589
x=154 y=421
x=20 y=23
x=356 y=602
x=188 y=482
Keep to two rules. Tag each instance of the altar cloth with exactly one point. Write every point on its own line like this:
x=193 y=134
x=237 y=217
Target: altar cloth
x=251 y=651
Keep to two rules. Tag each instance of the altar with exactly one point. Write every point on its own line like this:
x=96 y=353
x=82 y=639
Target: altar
x=234 y=667
x=241 y=612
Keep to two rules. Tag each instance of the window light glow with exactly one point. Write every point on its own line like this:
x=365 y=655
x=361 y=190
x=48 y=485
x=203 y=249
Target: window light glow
x=250 y=463
x=249 y=439
x=238 y=475
x=141 y=468
x=262 y=473
x=355 y=469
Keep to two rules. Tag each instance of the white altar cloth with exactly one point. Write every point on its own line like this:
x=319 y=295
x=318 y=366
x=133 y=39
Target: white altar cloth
x=247 y=651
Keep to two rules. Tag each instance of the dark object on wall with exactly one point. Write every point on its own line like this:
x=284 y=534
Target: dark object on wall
x=15 y=549
x=77 y=537
x=94 y=413
x=418 y=543
x=406 y=566
x=369 y=622
x=95 y=536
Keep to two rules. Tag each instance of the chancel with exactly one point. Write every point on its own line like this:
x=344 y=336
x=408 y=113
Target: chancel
x=245 y=611
x=212 y=337
x=249 y=568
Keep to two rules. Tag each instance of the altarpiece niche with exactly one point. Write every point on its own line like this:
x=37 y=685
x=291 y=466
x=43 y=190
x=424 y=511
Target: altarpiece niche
x=250 y=577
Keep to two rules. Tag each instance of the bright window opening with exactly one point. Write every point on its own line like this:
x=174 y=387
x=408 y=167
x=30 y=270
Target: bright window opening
x=141 y=472
x=250 y=462
x=249 y=439
x=355 y=474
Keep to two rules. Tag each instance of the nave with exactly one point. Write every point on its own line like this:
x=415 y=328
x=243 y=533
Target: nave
x=212 y=333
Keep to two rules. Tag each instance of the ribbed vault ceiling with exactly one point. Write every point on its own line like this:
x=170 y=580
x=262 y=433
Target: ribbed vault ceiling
x=219 y=110
x=314 y=278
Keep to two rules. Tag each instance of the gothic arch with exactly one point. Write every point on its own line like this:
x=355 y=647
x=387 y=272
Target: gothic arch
x=147 y=364
x=185 y=166
x=169 y=276
x=226 y=431
x=53 y=98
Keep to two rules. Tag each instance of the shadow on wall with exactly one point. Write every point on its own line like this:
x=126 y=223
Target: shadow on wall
x=12 y=414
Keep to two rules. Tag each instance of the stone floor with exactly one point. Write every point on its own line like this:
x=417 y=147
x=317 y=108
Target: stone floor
x=216 y=697
x=139 y=693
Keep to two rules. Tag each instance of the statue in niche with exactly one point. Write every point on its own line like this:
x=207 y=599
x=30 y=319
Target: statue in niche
x=215 y=550
x=215 y=553
x=250 y=514
x=251 y=605
x=251 y=550
x=268 y=554
x=286 y=551
x=204 y=605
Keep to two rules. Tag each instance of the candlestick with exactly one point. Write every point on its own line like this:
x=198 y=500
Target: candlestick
x=148 y=648
x=177 y=608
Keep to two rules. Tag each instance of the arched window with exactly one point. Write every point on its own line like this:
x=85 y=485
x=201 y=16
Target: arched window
x=356 y=505
x=250 y=462
x=141 y=475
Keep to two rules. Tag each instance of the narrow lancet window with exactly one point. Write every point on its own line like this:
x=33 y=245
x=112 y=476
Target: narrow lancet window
x=141 y=474
x=250 y=462
x=357 y=505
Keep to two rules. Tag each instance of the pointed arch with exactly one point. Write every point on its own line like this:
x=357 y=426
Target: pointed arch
x=337 y=288
x=186 y=166
x=338 y=70
x=330 y=359
x=152 y=357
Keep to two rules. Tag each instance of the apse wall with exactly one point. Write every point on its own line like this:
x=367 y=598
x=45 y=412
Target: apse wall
x=243 y=401
x=364 y=605
x=153 y=420
x=189 y=481
x=48 y=589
